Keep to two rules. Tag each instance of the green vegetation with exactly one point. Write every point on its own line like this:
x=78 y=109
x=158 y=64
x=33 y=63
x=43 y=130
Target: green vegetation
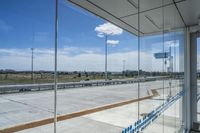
x=48 y=77
x=24 y=77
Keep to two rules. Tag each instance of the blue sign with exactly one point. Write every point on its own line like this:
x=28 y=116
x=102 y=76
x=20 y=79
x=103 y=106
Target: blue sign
x=161 y=55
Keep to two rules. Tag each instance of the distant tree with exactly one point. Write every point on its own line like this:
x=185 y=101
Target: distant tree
x=41 y=75
x=75 y=72
x=6 y=76
x=86 y=74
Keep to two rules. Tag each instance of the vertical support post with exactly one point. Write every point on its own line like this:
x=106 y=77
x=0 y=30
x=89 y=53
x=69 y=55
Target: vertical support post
x=164 y=61
x=193 y=79
x=55 y=65
x=181 y=68
x=186 y=97
x=138 y=96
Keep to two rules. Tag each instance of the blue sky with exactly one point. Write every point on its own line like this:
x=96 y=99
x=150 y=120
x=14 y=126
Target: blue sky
x=30 y=23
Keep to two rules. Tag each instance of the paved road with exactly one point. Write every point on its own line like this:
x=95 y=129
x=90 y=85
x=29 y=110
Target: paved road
x=25 y=107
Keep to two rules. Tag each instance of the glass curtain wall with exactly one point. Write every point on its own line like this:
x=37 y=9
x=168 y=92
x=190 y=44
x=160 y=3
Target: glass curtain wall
x=99 y=66
x=161 y=56
x=151 y=65
x=26 y=61
x=93 y=50
x=173 y=66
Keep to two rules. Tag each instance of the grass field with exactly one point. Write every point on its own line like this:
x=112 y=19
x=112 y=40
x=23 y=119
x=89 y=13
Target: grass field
x=24 y=78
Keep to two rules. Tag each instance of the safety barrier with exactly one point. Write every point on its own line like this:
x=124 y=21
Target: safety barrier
x=141 y=124
x=50 y=86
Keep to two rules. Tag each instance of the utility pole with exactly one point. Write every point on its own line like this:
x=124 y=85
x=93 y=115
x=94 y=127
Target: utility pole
x=32 y=49
x=170 y=60
x=170 y=70
x=124 y=63
x=106 y=57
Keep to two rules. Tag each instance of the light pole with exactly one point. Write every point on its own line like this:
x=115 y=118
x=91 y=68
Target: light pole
x=170 y=70
x=32 y=49
x=124 y=63
x=104 y=30
x=106 y=57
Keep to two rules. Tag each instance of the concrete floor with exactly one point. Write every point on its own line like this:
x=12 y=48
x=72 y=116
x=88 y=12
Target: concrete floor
x=25 y=107
x=114 y=120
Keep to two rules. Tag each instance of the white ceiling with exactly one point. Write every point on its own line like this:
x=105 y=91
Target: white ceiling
x=190 y=10
x=124 y=13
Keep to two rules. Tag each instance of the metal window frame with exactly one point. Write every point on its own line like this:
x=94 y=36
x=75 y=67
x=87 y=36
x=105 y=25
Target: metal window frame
x=189 y=104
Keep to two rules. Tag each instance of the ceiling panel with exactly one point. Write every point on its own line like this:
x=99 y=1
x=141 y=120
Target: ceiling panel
x=151 y=4
x=132 y=20
x=118 y=8
x=152 y=21
x=104 y=14
x=169 y=14
x=124 y=13
x=145 y=25
x=172 y=19
x=190 y=10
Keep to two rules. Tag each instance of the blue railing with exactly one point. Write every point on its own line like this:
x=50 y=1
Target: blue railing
x=141 y=124
x=198 y=97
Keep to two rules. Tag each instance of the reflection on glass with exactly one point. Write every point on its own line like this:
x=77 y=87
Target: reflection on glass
x=100 y=53
x=111 y=77
x=26 y=56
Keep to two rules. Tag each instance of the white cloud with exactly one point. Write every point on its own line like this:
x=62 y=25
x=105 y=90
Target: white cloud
x=100 y=35
x=113 y=42
x=14 y=52
x=86 y=59
x=173 y=43
x=77 y=50
x=108 y=29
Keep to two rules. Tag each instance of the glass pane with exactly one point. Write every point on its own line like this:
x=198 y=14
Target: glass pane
x=97 y=67
x=26 y=56
x=173 y=44
x=109 y=79
x=151 y=67
x=161 y=54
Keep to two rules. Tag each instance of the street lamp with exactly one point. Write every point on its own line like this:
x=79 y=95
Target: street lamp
x=104 y=30
x=32 y=49
x=106 y=57
x=124 y=63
